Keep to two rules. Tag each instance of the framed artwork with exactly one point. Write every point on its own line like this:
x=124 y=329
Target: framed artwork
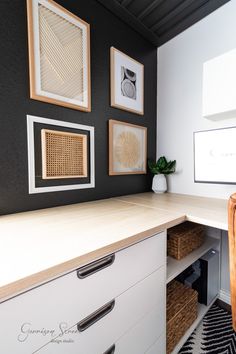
x=60 y=155
x=64 y=154
x=59 y=55
x=127 y=148
x=215 y=156
x=127 y=82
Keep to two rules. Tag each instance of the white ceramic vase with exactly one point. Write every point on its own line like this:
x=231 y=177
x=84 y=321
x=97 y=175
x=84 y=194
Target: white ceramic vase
x=159 y=184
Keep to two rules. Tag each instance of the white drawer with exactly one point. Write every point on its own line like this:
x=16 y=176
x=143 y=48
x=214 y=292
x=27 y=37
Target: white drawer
x=69 y=299
x=130 y=308
x=159 y=347
x=143 y=334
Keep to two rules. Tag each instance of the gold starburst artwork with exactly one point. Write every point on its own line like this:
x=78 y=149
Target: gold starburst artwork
x=127 y=149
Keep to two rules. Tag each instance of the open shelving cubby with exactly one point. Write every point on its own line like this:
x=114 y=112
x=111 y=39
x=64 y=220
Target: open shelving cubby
x=175 y=267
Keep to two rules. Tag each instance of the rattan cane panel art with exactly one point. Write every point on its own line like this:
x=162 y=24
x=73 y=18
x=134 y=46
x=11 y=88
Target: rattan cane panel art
x=64 y=154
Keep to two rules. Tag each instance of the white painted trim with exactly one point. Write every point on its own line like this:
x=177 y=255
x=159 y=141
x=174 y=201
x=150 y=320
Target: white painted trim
x=31 y=155
x=67 y=17
x=225 y=296
x=30 y=148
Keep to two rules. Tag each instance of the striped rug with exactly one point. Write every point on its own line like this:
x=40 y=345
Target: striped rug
x=214 y=335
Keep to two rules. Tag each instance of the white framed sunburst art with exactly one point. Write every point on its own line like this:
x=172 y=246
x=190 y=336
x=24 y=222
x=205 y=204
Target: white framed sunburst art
x=127 y=148
x=59 y=55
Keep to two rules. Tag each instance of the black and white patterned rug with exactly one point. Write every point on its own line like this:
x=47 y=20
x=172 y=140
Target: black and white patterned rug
x=214 y=335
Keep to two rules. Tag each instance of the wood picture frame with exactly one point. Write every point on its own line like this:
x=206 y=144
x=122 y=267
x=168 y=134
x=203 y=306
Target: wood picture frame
x=59 y=55
x=126 y=82
x=127 y=148
x=64 y=154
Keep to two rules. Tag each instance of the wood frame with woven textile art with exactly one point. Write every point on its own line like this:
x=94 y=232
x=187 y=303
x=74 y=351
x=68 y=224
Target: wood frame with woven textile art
x=59 y=55
x=64 y=155
x=127 y=148
x=60 y=155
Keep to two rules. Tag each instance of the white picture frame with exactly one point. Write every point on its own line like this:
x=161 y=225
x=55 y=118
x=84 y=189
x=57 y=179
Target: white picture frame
x=127 y=82
x=31 y=120
x=59 y=55
x=215 y=156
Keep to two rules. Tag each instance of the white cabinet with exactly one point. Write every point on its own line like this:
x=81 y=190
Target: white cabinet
x=158 y=347
x=128 y=309
x=139 y=338
x=133 y=280
x=219 y=86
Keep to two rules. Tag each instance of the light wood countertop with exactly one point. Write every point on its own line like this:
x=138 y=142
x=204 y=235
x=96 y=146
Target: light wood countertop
x=205 y=211
x=40 y=245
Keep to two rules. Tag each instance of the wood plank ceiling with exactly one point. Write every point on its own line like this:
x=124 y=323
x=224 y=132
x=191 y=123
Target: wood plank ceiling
x=160 y=20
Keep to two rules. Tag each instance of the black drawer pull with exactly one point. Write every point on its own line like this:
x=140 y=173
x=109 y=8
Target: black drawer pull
x=111 y=350
x=95 y=316
x=95 y=266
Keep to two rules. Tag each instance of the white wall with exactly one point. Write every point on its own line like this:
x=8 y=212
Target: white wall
x=179 y=100
x=179 y=106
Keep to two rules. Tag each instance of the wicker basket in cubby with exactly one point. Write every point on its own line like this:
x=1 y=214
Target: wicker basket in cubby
x=181 y=312
x=184 y=238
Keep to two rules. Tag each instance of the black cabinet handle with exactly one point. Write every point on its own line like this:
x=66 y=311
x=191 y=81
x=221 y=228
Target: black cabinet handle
x=95 y=316
x=111 y=350
x=95 y=266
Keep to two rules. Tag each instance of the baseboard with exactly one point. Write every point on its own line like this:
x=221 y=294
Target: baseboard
x=225 y=296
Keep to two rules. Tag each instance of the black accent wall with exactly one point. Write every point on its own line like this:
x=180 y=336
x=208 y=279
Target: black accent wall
x=106 y=31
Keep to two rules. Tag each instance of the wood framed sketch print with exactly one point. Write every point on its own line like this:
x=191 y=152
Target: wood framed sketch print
x=127 y=148
x=127 y=82
x=59 y=55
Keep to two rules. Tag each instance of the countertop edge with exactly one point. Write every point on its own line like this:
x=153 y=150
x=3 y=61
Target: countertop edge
x=28 y=283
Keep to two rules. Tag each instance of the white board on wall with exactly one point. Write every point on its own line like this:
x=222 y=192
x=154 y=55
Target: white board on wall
x=215 y=156
x=219 y=87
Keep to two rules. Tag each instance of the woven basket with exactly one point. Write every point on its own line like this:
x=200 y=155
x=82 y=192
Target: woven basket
x=183 y=239
x=181 y=312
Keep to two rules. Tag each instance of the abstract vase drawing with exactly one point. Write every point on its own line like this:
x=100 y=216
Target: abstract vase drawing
x=127 y=82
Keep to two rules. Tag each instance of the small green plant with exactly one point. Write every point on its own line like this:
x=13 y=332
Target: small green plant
x=162 y=166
